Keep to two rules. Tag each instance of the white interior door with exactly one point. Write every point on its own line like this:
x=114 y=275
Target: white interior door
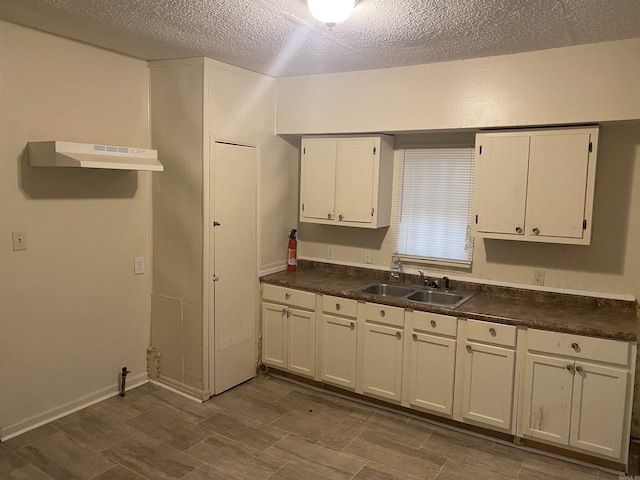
x=233 y=250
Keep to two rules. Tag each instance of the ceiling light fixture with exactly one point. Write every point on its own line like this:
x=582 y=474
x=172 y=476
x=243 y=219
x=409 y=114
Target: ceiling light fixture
x=331 y=11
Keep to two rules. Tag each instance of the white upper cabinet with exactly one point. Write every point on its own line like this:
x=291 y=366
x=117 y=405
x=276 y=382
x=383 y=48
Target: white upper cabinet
x=347 y=181
x=535 y=186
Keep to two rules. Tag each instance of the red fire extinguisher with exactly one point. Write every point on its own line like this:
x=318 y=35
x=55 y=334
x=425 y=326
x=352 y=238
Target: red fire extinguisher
x=293 y=251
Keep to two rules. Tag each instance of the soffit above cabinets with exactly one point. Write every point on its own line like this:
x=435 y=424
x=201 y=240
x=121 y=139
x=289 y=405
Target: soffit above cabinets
x=280 y=38
x=87 y=155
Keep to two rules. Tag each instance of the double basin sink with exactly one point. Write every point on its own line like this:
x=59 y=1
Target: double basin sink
x=417 y=293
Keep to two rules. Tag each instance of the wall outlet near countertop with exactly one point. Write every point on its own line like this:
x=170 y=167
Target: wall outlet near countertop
x=367 y=256
x=330 y=253
x=538 y=277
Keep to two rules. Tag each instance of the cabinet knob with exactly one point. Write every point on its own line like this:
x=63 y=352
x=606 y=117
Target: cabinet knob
x=414 y=337
x=536 y=231
x=382 y=313
x=284 y=311
x=337 y=307
x=575 y=346
x=579 y=369
x=493 y=332
x=398 y=335
x=518 y=230
x=433 y=324
x=353 y=326
x=340 y=217
x=570 y=367
x=469 y=349
x=286 y=296
x=328 y=216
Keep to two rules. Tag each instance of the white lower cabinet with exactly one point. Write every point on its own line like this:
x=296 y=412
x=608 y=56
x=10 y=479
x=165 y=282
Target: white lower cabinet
x=432 y=362
x=572 y=400
x=383 y=352
x=339 y=341
x=489 y=371
x=289 y=329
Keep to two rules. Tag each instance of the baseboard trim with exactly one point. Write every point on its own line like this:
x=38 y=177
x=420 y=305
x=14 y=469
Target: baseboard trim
x=48 y=416
x=180 y=388
x=176 y=391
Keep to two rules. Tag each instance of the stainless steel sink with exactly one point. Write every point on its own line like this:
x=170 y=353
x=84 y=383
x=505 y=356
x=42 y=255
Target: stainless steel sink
x=387 y=290
x=417 y=293
x=434 y=297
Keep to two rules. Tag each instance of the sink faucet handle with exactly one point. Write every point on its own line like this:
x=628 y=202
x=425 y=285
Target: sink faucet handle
x=447 y=283
x=436 y=284
x=421 y=273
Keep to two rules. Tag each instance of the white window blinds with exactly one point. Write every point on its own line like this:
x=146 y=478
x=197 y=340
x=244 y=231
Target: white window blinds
x=433 y=204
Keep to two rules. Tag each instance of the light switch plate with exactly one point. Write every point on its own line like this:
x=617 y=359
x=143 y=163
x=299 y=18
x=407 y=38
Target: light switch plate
x=19 y=241
x=138 y=265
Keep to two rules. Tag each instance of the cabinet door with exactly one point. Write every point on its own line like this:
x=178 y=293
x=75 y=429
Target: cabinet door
x=382 y=369
x=302 y=341
x=354 y=180
x=339 y=343
x=433 y=361
x=318 y=179
x=274 y=335
x=501 y=171
x=488 y=384
x=557 y=185
x=598 y=408
x=546 y=409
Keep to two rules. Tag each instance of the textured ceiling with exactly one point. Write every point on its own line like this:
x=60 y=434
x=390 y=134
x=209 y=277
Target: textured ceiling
x=280 y=38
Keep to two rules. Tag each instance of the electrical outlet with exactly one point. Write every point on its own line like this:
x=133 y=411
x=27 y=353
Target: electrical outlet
x=367 y=256
x=330 y=253
x=538 y=277
x=138 y=265
x=19 y=241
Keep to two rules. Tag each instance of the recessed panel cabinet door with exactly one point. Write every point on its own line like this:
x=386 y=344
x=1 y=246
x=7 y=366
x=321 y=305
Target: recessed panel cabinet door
x=546 y=409
x=433 y=362
x=339 y=344
x=302 y=341
x=501 y=183
x=355 y=180
x=382 y=370
x=597 y=417
x=318 y=179
x=488 y=384
x=274 y=335
x=557 y=185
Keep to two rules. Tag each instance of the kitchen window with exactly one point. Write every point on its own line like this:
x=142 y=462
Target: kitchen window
x=433 y=191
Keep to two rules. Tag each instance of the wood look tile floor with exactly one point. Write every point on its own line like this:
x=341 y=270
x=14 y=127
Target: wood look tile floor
x=266 y=428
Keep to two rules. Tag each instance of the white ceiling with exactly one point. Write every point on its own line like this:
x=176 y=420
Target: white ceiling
x=280 y=38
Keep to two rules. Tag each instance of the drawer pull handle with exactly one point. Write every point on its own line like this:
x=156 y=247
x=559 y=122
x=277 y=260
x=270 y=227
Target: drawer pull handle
x=353 y=326
x=518 y=230
x=337 y=307
x=575 y=346
x=284 y=311
x=414 y=337
x=398 y=335
x=570 y=367
x=536 y=231
x=340 y=217
x=469 y=349
x=382 y=313
x=433 y=324
x=328 y=216
x=579 y=369
x=493 y=332
x=286 y=296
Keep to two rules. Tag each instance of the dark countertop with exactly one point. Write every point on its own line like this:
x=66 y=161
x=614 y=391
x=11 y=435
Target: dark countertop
x=615 y=319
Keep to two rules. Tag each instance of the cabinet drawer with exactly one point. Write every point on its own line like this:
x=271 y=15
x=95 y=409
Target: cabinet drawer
x=385 y=314
x=340 y=306
x=435 y=323
x=578 y=346
x=489 y=332
x=289 y=296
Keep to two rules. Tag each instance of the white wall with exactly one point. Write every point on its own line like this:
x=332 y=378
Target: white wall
x=588 y=83
x=71 y=311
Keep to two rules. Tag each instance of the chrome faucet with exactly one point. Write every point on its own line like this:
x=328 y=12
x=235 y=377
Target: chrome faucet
x=422 y=281
x=447 y=283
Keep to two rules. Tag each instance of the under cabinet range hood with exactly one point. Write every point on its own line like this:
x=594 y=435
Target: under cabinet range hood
x=88 y=155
